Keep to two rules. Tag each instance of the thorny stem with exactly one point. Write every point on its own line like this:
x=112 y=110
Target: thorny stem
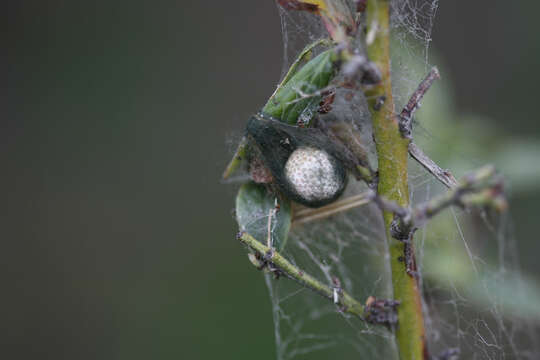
x=341 y=298
x=392 y=151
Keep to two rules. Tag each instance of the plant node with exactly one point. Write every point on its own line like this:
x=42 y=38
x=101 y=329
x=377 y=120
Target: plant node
x=381 y=311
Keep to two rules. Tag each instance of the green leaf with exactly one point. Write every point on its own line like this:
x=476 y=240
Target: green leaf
x=283 y=105
x=287 y=104
x=305 y=55
x=254 y=205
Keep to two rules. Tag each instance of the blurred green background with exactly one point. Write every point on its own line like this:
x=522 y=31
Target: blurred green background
x=118 y=118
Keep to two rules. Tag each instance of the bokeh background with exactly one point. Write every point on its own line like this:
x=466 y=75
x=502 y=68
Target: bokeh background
x=117 y=120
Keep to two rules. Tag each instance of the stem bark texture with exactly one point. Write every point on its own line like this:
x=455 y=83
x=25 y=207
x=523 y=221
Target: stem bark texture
x=392 y=150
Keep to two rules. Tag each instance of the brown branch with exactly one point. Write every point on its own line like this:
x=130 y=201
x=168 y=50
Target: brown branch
x=444 y=176
x=406 y=116
x=405 y=127
x=481 y=187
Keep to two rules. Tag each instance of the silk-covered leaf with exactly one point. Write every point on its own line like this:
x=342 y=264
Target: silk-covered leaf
x=287 y=104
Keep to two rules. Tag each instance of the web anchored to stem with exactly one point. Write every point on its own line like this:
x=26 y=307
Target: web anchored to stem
x=334 y=115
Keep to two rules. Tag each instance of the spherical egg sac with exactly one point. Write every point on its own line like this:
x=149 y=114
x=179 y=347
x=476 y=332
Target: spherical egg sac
x=314 y=176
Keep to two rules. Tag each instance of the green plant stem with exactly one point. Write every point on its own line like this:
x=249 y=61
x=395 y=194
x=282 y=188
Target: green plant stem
x=345 y=301
x=392 y=151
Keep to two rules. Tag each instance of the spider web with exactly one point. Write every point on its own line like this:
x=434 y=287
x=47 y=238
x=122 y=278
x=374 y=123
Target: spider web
x=351 y=246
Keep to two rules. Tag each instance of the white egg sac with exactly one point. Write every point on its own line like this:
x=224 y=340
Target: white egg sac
x=312 y=173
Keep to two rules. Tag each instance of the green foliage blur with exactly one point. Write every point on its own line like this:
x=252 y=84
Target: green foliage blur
x=118 y=119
